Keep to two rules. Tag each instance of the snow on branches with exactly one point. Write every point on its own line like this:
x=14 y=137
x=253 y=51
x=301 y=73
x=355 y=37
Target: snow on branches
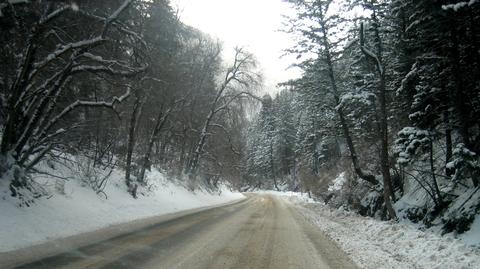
x=409 y=140
x=49 y=62
x=459 y=5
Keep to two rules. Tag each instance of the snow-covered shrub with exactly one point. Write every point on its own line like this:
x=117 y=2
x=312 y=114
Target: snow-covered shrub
x=465 y=163
x=372 y=204
x=20 y=184
x=90 y=174
x=462 y=212
x=350 y=193
x=410 y=140
x=422 y=157
x=340 y=191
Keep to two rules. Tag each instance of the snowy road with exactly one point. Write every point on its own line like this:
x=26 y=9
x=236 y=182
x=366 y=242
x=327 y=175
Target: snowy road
x=263 y=231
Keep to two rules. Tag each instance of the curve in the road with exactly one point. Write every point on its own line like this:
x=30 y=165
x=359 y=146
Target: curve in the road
x=264 y=231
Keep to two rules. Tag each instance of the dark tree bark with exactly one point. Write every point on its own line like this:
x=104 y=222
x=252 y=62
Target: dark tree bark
x=160 y=122
x=343 y=122
x=376 y=58
x=436 y=189
x=137 y=108
x=448 y=142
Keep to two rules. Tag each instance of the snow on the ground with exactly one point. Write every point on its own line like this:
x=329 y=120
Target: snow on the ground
x=299 y=197
x=378 y=244
x=338 y=182
x=472 y=236
x=82 y=210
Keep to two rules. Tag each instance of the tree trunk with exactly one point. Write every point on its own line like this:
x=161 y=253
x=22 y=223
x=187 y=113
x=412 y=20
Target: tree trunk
x=161 y=119
x=460 y=98
x=131 y=144
x=388 y=192
x=272 y=166
x=434 y=178
x=387 y=179
x=343 y=121
x=233 y=74
x=448 y=142
x=182 y=152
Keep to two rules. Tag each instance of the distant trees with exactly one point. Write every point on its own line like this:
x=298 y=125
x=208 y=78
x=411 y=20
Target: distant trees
x=261 y=138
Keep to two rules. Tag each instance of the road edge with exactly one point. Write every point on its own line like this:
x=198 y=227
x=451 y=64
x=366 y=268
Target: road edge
x=18 y=257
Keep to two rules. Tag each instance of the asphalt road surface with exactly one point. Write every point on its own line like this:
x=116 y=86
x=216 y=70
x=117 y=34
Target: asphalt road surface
x=263 y=231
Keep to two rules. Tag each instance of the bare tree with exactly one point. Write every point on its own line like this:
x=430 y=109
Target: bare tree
x=239 y=80
x=33 y=112
x=136 y=112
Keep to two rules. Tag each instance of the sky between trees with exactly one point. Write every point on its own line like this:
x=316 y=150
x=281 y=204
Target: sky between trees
x=250 y=23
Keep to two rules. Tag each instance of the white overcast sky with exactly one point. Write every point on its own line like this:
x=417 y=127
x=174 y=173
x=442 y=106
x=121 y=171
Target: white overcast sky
x=252 y=24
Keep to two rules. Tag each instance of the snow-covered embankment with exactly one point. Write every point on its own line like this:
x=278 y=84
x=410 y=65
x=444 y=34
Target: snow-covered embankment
x=378 y=244
x=81 y=210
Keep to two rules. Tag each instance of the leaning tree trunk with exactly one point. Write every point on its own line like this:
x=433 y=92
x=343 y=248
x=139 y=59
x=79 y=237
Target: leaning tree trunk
x=341 y=115
x=161 y=119
x=237 y=73
x=199 y=147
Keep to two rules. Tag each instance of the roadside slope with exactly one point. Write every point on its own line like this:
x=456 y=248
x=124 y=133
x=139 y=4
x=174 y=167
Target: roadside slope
x=378 y=244
x=81 y=210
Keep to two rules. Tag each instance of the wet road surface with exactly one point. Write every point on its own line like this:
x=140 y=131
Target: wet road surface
x=263 y=231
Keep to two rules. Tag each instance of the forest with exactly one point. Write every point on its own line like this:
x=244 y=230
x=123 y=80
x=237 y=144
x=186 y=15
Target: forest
x=387 y=108
x=384 y=120
x=120 y=83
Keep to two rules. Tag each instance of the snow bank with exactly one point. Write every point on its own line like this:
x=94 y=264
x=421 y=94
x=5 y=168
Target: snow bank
x=298 y=197
x=375 y=244
x=82 y=210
